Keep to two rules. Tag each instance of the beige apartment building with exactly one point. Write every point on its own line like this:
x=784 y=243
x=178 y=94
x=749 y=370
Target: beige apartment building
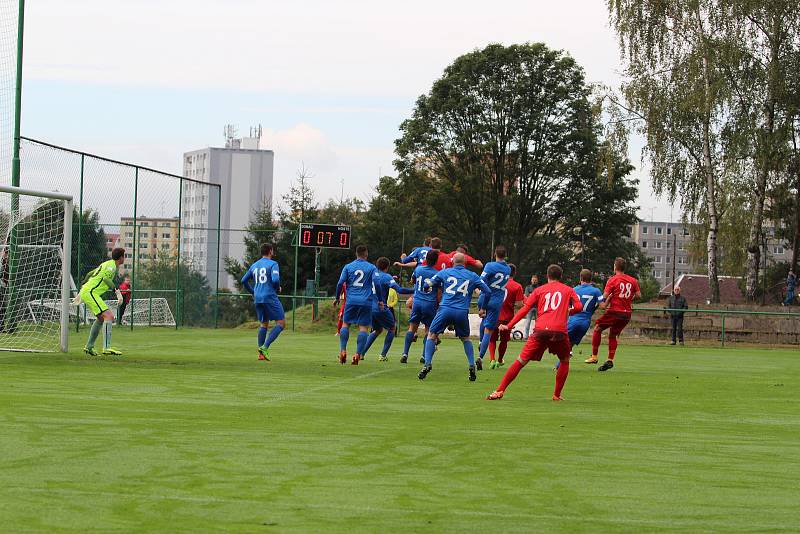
x=153 y=235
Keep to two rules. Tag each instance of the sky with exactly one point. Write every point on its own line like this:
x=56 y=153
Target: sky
x=330 y=82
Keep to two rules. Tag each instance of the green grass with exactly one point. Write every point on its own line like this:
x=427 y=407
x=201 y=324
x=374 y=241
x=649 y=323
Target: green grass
x=188 y=432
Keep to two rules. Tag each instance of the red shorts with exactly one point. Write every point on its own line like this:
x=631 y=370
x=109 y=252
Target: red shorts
x=555 y=342
x=614 y=321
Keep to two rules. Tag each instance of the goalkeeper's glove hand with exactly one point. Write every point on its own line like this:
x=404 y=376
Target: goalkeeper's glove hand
x=119 y=297
x=77 y=300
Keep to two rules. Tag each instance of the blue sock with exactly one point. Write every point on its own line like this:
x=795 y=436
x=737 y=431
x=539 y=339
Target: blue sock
x=361 y=342
x=484 y=344
x=430 y=346
x=470 y=352
x=274 y=333
x=387 y=344
x=409 y=340
x=558 y=364
x=344 y=335
x=370 y=340
x=262 y=335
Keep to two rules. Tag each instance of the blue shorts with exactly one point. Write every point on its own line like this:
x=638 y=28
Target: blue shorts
x=269 y=311
x=422 y=312
x=383 y=319
x=450 y=316
x=492 y=315
x=576 y=330
x=359 y=314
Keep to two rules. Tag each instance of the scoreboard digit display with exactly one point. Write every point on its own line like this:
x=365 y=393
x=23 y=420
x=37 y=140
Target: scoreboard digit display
x=324 y=235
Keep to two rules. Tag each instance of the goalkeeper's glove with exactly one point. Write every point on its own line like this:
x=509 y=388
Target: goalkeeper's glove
x=119 y=297
x=77 y=300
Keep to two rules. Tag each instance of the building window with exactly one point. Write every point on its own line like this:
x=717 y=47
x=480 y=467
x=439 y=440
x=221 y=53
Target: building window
x=142 y=245
x=669 y=260
x=669 y=231
x=777 y=249
x=128 y=245
x=685 y=231
x=144 y=234
x=658 y=244
x=166 y=236
x=659 y=230
x=128 y=234
x=681 y=246
x=683 y=261
x=657 y=259
x=669 y=245
x=644 y=244
x=165 y=246
x=644 y=229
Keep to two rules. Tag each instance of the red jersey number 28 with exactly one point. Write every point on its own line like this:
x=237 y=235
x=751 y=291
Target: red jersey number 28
x=625 y=290
x=551 y=301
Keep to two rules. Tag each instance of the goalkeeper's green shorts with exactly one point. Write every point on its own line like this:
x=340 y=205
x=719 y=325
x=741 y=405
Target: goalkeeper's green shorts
x=94 y=301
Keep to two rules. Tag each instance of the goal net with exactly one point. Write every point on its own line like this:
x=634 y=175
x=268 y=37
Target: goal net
x=139 y=312
x=35 y=239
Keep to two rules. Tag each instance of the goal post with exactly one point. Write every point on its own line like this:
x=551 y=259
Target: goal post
x=35 y=255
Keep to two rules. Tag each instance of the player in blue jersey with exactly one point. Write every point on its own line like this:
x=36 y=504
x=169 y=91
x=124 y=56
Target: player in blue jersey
x=457 y=285
x=382 y=315
x=416 y=257
x=263 y=281
x=359 y=276
x=426 y=301
x=590 y=297
x=496 y=275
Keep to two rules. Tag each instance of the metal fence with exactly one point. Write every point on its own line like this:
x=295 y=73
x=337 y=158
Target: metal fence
x=168 y=224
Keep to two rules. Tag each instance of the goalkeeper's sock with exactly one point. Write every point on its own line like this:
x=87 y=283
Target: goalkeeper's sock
x=107 y=334
x=262 y=335
x=93 y=333
x=273 y=334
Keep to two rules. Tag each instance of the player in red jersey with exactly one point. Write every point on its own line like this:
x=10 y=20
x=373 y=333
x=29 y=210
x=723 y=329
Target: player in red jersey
x=554 y=303
x=618 y=296
x=514 y=294
x=446 y=259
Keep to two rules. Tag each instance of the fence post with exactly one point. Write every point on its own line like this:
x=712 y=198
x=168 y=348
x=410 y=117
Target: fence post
x=135 y=253
x=80 y=237
x=150 y=312
x=178 y=257
x=723 y=329
x=294 y=292
x=219 y=235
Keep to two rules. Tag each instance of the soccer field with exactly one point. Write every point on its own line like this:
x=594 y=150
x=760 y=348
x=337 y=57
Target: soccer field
x=189 y=432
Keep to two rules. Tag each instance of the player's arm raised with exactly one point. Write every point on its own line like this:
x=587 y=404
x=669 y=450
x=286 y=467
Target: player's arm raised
x=400 y=289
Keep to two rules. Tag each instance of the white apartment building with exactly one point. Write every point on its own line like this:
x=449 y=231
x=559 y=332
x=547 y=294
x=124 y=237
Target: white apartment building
x=245 y=172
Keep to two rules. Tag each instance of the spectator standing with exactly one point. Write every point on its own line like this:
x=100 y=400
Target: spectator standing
x=676 y=304
x=530 y=288
x=791 y=285
x=125 y=289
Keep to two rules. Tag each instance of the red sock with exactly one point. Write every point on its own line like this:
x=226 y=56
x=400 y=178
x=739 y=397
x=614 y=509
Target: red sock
x=491 y=350
x=504 y=342
x=596 y=337
x=511 y=374
x=612 y=347
x=561 y=377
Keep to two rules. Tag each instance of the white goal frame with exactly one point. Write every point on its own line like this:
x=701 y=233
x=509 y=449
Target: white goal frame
x=66 y=255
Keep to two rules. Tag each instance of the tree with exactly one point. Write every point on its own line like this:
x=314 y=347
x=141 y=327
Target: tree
x=759 y=46
x=195 y=302
x=675 y=85
x=499 y=151
x=90 y=246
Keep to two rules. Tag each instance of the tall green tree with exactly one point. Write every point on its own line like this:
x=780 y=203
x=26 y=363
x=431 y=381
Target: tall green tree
x=505 y=148
x=195 y=301
x=676 y=85
x=90 y=246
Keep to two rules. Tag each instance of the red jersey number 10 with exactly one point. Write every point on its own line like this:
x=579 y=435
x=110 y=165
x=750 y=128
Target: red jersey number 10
x=551 y=301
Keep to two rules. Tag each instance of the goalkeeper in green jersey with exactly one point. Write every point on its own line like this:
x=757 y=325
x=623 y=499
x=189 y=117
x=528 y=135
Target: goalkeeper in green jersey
x=95 y=285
